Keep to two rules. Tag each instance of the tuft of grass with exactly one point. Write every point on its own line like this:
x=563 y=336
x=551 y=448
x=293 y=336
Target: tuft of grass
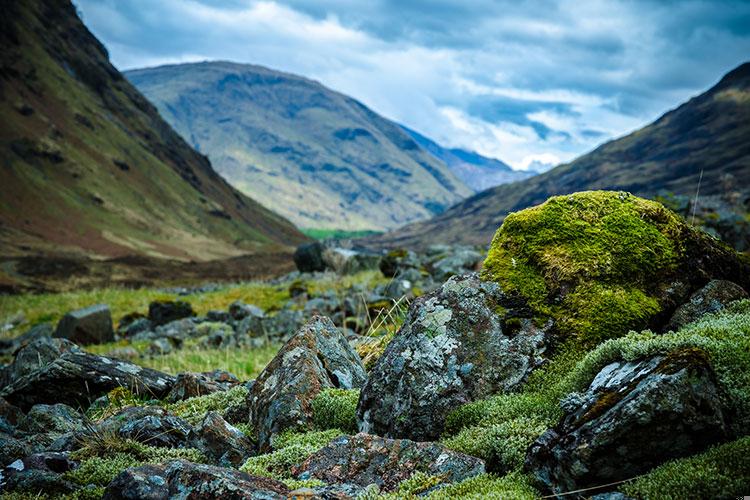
x=336 y=409
x=194 y=410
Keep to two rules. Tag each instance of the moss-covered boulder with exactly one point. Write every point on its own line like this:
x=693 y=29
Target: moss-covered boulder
x=602 y=263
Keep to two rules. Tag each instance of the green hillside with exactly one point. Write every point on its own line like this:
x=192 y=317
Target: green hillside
x=318 y=157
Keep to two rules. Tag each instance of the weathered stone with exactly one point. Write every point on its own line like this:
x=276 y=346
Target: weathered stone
x=239 y=310
x=633 y=417
x=35 y=355
x=396 y=262
x=58 y=418
x=12 y=448
x=92 y=325
x=75 y=377
x=10 y=416
x=713 y=297
x=164 y=430
x=317 y=357
x=453 y=348
x=134 y=327
x=223 y=443
x=455 y=262
x=181 y=479
x=162 y=312
x=42 y=330
x=364 y=459
x=190 y=385
x=159 y=347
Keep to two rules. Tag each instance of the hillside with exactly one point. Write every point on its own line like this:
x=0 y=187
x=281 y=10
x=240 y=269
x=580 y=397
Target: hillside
x=90 y=169
x=710 y=134
x=476 y=171
x=318 y=157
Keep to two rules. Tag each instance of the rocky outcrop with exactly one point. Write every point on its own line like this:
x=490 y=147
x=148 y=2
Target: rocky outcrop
x=182 y=479
x=223 y=443
x=69 y=375
x=633 y=417
x=364 y=459
x=317 y=357
x=92 y=325
x=454 y=348
x=713 y=297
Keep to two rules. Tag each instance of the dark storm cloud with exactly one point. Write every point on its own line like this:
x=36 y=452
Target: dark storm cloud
x=519 y=80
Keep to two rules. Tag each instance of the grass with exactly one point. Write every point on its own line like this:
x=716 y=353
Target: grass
x=336 y=234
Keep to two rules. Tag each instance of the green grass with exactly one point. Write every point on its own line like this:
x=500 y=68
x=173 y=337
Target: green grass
x=336 y=234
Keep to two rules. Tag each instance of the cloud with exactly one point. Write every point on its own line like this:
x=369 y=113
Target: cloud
x=522 y=81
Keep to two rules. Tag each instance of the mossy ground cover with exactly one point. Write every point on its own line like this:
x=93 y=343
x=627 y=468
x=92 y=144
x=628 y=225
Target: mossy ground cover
x=589 y=260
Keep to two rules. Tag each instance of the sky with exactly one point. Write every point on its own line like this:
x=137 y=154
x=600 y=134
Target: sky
x=531 y=83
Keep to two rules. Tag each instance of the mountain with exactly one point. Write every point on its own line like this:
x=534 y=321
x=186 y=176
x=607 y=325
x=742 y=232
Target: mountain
x=476 y=171
x=705 y=140
x=88 y=165
x=320 y=158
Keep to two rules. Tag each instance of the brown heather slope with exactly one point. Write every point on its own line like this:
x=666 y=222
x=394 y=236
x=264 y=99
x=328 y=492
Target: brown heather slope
x=89 y=168
x=710 y=132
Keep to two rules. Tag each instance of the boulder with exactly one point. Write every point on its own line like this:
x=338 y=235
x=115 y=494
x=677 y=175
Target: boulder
x=92 y=325
x=453 y=348
x=239 y=310
x=161 y=312
x=317 y=357
x=69 y=375
x=190 y=385
x=223 y=443
x=182 y=479
x=164 y=430
x=364 y=459
x=633 y=417
x=713 y=297
x=57 y=418
x=309 y=257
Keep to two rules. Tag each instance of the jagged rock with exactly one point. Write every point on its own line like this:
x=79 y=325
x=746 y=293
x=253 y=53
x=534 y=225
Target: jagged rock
x=92 y=325
x=189 y=384
x=75 y=377
x=182 y=479
x=633 y=417
x=114 y=423
x=162 y=312
x=365 y=459
x=57 y=418
x=12 y=447
x=162 y=430
x=39 y=474
x=317 y=357
x=239 y=310
x=713 y=297
x=223 y=443
x=453 y=348
x=42 y=330
x=458 y=261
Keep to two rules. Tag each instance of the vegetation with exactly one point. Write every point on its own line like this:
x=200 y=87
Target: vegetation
x=336 y=234
x=336 y=409
x=606 y=249
x=194 y=410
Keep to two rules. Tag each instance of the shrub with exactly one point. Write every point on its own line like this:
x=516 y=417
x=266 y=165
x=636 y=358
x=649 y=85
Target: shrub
x=336 y=409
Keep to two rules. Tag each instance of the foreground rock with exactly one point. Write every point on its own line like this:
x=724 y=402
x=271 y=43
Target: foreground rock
x=221 y=442
x=633 y=417
x=364 y=459
x=317 y=357
x=454 y=348
x=713 y=297
x=40 y=472
x=182 y=479
x=92 y=325
x=69 y=375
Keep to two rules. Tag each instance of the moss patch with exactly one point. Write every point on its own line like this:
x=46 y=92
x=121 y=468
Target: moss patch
x=336 y=409
x=589 y=260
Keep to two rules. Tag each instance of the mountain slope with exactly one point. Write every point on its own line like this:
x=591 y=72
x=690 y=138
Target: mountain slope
x=88 y=165
x=710 y=134
x=476 y=171
x=316 y=156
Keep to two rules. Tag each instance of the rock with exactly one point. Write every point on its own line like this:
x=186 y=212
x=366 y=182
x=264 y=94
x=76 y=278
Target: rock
x=713 y=297
x=317 y=357
x=223 y=443
x=159 y=347
x=11 y=448
x=633 y=417
x=396 y=262
x=113 y=423
x=162 y=430
x=309 y=257
x=460 y=261
x=10 y=416
x=239 y=310
x=75 y=377
x=42 y=330
x=360 y=261
x=364 y=459
x=17 y=476
x=58 y=418
x=162 y=312
x=134 y=327
x=182 y=479
x=35 y=355
x=453 y=348
x=219 y=316
x=92 y=325
x=190 y=385
x=126 y=353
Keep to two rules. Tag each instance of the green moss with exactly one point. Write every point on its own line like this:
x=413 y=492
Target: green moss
x=514 y=485
x=100 y=471
x=195 y=409
x=336 y=409
x=600 y=250
x=721 y=472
